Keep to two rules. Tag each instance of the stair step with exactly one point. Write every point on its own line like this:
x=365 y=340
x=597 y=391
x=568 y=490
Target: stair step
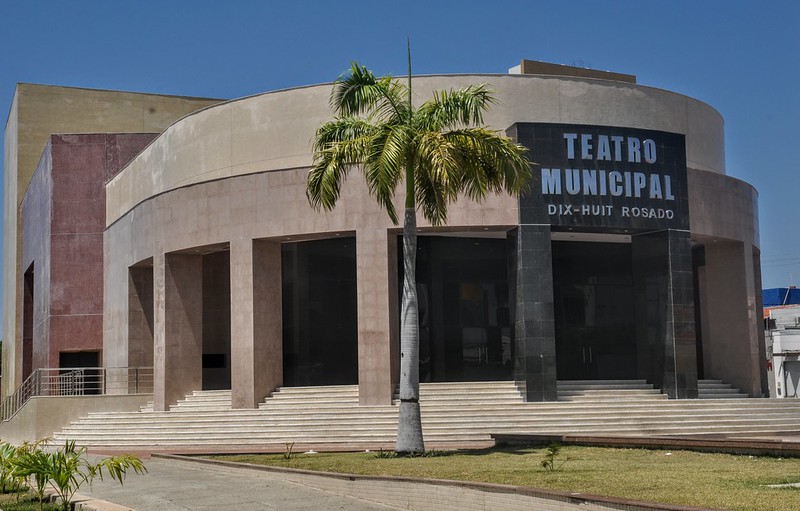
x=458 y=413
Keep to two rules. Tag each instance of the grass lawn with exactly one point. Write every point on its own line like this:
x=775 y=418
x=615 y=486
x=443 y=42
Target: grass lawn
x=679 y=477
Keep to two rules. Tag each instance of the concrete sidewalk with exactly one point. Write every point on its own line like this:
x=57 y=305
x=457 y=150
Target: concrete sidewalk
x=172 y=485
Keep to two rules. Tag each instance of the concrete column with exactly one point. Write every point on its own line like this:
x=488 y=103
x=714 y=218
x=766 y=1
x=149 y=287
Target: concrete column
x=376 y=276
x=256 y=321
x=733 y=288
x=759 y=307
x=178 y=341
x=531 y=303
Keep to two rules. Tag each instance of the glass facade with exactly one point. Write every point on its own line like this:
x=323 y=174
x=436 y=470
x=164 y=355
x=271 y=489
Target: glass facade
x=320 y=328
x=462 y=287
x=463 y=292
x=594 y=311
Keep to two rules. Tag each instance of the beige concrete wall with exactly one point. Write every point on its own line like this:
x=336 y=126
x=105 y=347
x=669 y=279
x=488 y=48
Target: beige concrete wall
x=43 y=416
x=35 y=249
x=11 y=349
x=724 y=218
x=273 y=131
x=38 y=111
x=733 y=349
x=722 y=207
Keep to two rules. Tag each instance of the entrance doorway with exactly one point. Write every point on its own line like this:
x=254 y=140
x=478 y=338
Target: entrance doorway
x=90 y=380
x=594 y=311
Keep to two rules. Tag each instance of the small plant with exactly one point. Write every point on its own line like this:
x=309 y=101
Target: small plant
x=31 y=464
x=67 y=469
x=288 y=454
x=381 y=454
x=9 y=481
x=550 y=463
x=433 y=453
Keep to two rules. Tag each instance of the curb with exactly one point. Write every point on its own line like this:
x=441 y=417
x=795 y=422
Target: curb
x=742 y=446
x=86 y=503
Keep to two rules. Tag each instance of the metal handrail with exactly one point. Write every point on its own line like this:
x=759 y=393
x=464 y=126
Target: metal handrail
x=78 y=381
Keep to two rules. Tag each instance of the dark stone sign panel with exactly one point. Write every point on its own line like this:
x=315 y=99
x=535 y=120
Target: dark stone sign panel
x=604 y=178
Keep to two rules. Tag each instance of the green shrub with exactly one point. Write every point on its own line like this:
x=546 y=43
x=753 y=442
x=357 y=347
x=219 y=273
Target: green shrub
x=66 y=469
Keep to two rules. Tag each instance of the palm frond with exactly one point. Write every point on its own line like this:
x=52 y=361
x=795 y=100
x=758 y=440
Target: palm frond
x=339 y=145
x=341 y=129
x=489 y=162
x=438 y=156
x=454 y=108
x=438 y=176
x=360 y=92
x=385 y=164
x=432 y=197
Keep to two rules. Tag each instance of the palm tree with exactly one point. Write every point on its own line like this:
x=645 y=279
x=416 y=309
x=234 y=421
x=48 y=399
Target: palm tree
x=440 y=150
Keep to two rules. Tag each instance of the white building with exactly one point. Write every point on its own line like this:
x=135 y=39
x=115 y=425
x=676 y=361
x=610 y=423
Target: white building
x=783 y=350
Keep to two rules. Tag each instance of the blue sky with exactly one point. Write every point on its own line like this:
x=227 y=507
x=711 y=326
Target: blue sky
x=743 y=58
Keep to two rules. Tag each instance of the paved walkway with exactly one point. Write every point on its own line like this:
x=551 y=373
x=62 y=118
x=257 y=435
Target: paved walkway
x=172 y=485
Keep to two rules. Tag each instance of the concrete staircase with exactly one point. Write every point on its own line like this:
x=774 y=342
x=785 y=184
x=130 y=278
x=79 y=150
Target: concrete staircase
x=453 y=415
x=717 y=389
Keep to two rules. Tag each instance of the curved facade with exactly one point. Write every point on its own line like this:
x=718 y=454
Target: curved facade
x=219 y=274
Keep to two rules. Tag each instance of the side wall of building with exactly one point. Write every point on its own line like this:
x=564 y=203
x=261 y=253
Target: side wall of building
x=37 y=112
x=35 y=261
x=63 y=217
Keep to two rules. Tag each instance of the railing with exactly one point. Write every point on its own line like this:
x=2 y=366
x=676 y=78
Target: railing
x=79 y=381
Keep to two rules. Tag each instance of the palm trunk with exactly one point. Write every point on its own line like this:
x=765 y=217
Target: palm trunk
x=409 y=422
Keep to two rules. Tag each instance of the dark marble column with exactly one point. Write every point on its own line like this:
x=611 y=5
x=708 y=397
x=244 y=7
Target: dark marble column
x=664 y=310
x=531 y=300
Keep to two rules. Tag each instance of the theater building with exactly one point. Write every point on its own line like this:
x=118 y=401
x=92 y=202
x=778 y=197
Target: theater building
x=633 y=256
